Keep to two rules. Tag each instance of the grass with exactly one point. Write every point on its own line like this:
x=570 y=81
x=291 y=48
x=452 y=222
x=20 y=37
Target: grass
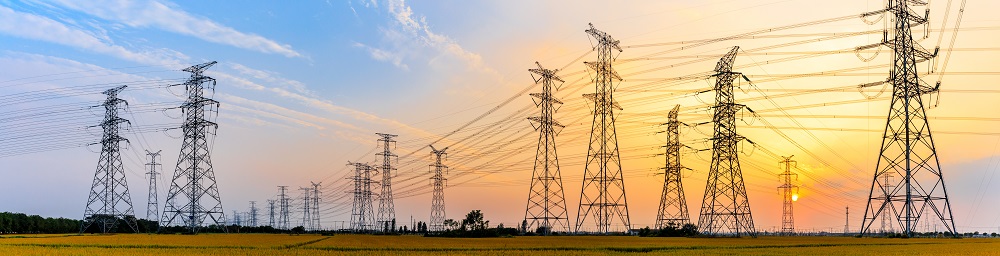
x=269 y=244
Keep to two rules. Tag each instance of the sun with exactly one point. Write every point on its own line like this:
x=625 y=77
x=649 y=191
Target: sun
x=795 y=197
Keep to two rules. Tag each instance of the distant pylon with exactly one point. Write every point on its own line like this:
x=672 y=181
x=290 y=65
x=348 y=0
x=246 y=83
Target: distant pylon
x=283 y=213
x=306 y=208
x=439 y=182
x=109 y=201
x=907 y=145
x=603 y=191
x=386 y=208
x=362 y=214
x=847 y=220
x=546 y=200
x=253 y=213
x=270 y=213
x=152 y=201
x=788 y=196
x=315 y=206
x=194 y=194
x=673 y=209
x=725 y=209
x=886 y=187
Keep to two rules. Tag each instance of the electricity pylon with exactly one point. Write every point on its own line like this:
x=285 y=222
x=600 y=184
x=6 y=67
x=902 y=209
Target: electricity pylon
x=194 y=194
x=546 y=208
x=907 y=145
x=789 y=194
x=315 y=206
x=362 y=215
x=270 y=213
x=673 y=211
x=437 y=200
x=283 y=201
x=725 y=209
x=152 y=201
x=603 y=189
x=253 y=213
x=306 y=208
x=109 y=201
x=386 y=208
x=886 y=187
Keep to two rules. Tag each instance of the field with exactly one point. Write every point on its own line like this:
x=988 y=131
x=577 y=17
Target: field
x=268 y=244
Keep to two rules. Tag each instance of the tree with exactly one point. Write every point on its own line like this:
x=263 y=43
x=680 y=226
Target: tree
x=474 y=220
x=452 y=224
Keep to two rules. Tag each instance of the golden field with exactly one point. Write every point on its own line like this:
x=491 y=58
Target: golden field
x=274 y=244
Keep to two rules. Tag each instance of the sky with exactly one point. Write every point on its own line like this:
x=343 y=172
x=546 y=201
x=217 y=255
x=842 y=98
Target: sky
x=305 y=85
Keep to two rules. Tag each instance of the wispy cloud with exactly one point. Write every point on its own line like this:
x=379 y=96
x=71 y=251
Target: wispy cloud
x=35 y=27
x=384 y=55
x=167 y=17
x=271 y=78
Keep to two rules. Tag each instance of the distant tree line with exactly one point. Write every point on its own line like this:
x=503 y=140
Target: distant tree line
x=20 y=223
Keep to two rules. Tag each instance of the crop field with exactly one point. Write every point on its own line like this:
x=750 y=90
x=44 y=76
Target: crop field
x=277 y=244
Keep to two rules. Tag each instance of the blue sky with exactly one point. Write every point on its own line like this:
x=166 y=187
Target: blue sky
x=304 y=86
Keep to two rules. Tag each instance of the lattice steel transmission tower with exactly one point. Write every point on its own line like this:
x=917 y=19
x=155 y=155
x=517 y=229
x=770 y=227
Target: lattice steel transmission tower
x=306 y=208
x=362 y=213
x=270 y=213
x=789 y=194
x=439 y=182
x=603 y=189
x=152 y=201
x=110 y=201
x=907 y=145
x=386 y=208
x=725 y=209
x=194 y=194
x=886 y=187
x=253 y=213
x=315 y=206
x=283 y=213
x=673 y=209
x=546 y=210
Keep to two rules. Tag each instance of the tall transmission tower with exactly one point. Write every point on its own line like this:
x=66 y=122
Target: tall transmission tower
x=270 y=213
x=362 y=214
x=789 y=194
x=673 y=209
x=546 y=200
x=109 y=201
x=283 y=213
x=439 y=182
x=725 y=209
x=315 y=206
x=152 y=202
x=386 y=208
x=306 y=208
x=886 y=187
x=907 y=145
x=847 y=220
x=253 y=213
x=194 y=194
x=603 y=190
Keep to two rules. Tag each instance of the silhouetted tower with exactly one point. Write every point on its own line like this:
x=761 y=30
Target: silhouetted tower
x=439 y=182
x=602 y=195
x=386 y=208
x=109 y=201
x=887 y=187
x=546 y=210
x=315 y=206
x=152 y=202
x=907 y=145
x=362 y=214
x=253 y=214
x=306 y=208
x=237 y=219
x=194 y=194
x=847 y=220
x=725 y=209
x=673 y=209
x=270 y=213
x=283 y=213
x=789 y=193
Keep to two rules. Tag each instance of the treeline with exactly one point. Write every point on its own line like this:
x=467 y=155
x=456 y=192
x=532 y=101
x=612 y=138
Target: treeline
x=20 y=223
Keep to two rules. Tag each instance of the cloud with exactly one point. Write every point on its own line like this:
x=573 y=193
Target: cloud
x=383 y=55
x=162 y=16
x=31 y=26
x=271 y=77
x=409 y=30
